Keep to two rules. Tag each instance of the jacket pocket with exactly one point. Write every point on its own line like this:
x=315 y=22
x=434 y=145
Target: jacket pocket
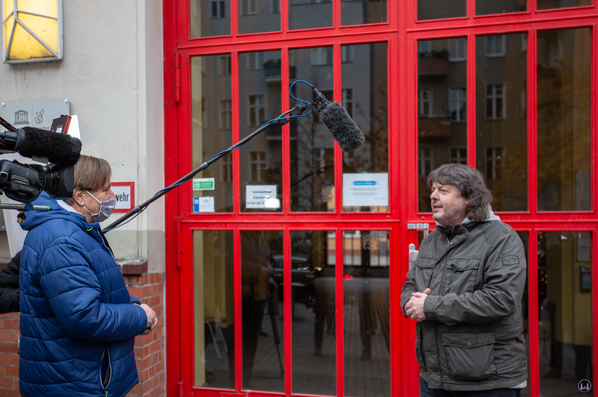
x=462 y=275
x=470 y=356
x=419 y=352
x=105 y=369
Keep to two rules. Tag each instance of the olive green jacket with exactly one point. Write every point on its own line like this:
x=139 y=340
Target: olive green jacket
x=472 y=338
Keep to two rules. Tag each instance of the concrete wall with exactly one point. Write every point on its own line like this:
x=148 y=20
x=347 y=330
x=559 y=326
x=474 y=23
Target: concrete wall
x=112 y=74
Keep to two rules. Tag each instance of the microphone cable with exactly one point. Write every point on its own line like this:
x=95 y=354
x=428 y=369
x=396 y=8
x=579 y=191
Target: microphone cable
x=282 y=117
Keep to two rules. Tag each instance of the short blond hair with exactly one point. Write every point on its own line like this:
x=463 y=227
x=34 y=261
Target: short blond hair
x=91 y=173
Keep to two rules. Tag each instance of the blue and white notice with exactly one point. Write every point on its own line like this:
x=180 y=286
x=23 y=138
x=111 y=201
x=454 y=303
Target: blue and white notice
x=365 y=190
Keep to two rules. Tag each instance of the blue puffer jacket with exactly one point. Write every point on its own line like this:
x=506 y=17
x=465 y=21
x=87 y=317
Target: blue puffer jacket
x=78 y=323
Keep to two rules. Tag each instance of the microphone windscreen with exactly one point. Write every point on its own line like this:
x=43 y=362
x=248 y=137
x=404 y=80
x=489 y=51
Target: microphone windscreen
x=344 y=130
x=57 y=148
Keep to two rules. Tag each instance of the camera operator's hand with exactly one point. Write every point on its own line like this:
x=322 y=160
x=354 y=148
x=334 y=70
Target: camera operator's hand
x=152 y=320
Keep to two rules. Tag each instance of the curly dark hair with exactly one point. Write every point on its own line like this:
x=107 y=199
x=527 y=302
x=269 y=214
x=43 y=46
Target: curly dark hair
x=471 y=185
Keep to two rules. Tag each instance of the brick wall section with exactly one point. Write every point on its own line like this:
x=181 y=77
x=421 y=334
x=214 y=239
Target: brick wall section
x=149 y=349
x=9 y=359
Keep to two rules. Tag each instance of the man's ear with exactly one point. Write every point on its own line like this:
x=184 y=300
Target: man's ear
x=78 y=196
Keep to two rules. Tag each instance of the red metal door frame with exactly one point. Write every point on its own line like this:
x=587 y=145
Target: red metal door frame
x=401 y=33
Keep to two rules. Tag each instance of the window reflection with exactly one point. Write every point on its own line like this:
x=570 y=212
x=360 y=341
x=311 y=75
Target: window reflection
x=209 y=18
x=308 y=14
x=263 y=319
x=365 y=96
x=314 y=311
x=564 y=60
x=501 y=118
x=440 y=9
x=485 y=7
x=366 y=313
x=565 y=311
x=442 y=104
x=259 y=16
x=213 y=309
x=260 y=158
x=548 y=4
x=312 y=145
x=212 y=131
x=357 y=12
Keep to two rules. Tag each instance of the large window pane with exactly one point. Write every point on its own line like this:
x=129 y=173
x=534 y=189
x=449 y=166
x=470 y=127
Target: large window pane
x=308 y=14
x=212 y=131
x=501 y=118
x=442 y=105
x=366 y=313
x=548 y=4
x=357 y=12
x=209 y=18
x=365 y=96
x=314 y=311
x=564 y=61
x=257 y=16
x=485 y=7
x=312 y=145
x=440 y=9
x=214 y=309
x=565 y=312
x=261 y=158
x=263 y=316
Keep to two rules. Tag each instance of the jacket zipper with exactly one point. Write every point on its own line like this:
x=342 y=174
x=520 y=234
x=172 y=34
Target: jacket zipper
x=105 y=388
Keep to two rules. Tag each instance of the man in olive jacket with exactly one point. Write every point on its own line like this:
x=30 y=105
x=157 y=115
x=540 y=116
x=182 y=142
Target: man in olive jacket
x=465 y=292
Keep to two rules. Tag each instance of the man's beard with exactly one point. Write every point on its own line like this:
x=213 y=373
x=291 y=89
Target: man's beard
x=447 y=220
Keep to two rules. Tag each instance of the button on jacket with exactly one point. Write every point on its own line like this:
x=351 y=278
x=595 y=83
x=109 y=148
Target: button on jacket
x=472 y=338
x=78 y=323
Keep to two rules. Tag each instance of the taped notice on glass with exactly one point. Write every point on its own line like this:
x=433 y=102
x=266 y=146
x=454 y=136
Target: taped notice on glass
x=261 y=196
x=365 y=190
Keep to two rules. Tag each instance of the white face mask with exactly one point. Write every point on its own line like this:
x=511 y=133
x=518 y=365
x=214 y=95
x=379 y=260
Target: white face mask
x=106 y=208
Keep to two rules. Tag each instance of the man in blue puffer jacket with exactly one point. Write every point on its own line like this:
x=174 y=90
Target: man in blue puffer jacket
x=78 y=322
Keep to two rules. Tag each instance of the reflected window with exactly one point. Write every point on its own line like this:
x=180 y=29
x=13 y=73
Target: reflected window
x=248 y=7
x=347 y=53
x=366 y=301
x=565 y=311
x=226 y=114
x=314 y=311
x=457 y=108
x=309 y=14
x=213 y=309
x=224 y=65
x=227 y=169
x=217 y=9
x=564 y=120
x=495 y=45
x=494 y=159
x=495 y=101
x=275 y=6
x=357 y=12
x=256 y=110
x=257 y=16
x=321 y=56
x=458 y=49
x=209 y=18
x=258 y=166
x=348 y=100
x=442 y=108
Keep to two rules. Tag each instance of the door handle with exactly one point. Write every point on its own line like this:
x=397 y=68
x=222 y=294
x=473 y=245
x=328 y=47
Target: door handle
x=412 y=255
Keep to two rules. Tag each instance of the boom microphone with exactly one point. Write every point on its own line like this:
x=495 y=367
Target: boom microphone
x=37 y=143
x=342 y=127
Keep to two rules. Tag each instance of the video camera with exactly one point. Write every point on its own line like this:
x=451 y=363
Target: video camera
x=24 y=182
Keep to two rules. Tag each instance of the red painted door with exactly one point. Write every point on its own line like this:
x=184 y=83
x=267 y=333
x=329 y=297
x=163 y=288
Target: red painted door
x=285 y=258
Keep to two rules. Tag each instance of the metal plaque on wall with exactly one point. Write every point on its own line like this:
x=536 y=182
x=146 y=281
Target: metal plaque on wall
x=36 y=113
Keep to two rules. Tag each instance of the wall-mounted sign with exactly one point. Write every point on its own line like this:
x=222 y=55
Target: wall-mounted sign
x=365 y=190
x=203 y=183
x=36 y=113
x=125 y=196
x=203 y=204
x=261 y=196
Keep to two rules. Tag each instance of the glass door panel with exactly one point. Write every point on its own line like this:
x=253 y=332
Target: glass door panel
x=256 y=16
x=357 y=12
x=442 y=105
x=314 y=311
x=261 y=158
x=312 y=145
x=565 y=312
x=263 y=311
x=564 y=60
x=213 y=309
x=366 y=313
x=485 y=7
x=548 y=4
x=209 y=18
x=211 y=122
x=365 y=96
x=309 y=14
x=501 y=118
x=440 y=9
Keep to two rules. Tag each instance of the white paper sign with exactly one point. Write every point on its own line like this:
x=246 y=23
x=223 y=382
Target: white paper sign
x=365 y=190
x=261 y=196
x=203 y=204
x=123 y=197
